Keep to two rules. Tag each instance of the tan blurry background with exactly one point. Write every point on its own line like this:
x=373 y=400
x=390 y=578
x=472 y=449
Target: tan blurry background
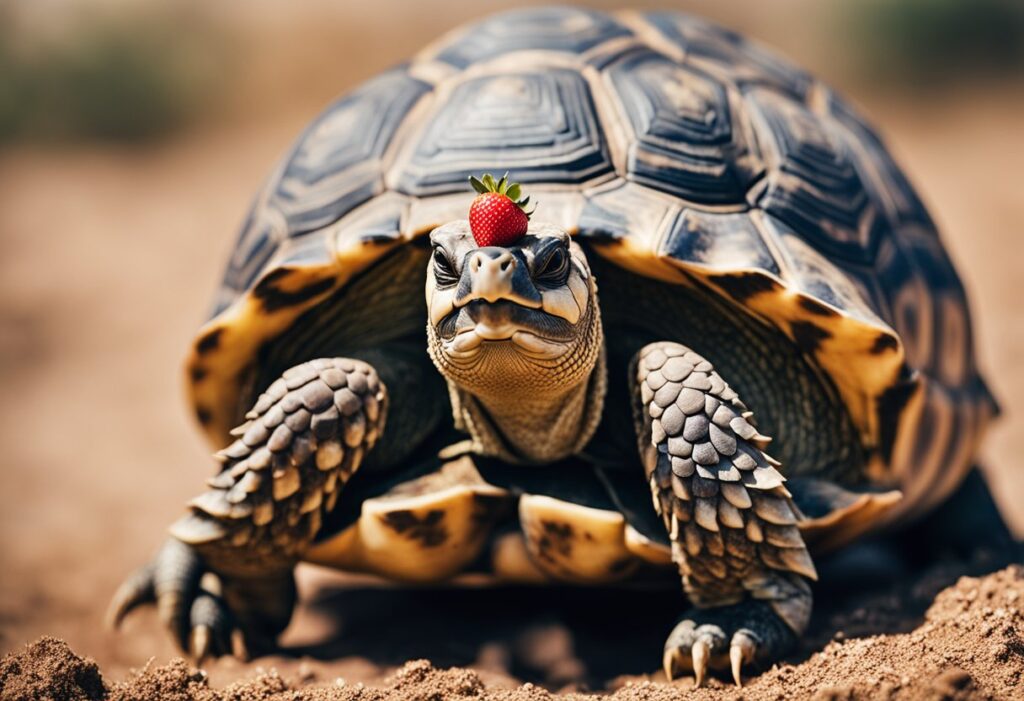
x=132 y=136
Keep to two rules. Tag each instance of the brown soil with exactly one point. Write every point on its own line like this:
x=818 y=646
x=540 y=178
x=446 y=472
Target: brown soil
x=48 y=670
x=970 y=645
x=109 y=260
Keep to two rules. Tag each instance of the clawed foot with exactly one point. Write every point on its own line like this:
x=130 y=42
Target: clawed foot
x=726 y=638
x=189 y=603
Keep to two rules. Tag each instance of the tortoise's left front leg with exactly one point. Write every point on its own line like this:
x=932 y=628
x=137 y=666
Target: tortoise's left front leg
x=731 y=522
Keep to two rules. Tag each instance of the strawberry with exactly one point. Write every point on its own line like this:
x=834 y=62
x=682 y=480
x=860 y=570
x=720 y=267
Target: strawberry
x=497 y=216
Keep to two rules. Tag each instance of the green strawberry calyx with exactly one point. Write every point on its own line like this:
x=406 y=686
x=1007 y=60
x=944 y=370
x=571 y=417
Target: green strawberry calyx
x=513 y=191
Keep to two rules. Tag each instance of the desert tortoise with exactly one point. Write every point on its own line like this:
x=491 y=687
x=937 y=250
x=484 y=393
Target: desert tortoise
x=756 y=250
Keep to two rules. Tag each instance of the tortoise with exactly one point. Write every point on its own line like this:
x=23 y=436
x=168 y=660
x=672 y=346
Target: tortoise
x=764 y=268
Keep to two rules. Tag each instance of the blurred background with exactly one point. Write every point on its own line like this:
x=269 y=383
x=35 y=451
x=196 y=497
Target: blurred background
x=133 y=134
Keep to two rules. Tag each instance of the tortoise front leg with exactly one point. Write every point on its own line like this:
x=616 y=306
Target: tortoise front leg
x=731 y=521
x=304 y=438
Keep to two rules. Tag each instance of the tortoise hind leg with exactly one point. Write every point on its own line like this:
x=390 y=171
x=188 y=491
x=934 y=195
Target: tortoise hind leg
x=305 y=436
x=730 y=520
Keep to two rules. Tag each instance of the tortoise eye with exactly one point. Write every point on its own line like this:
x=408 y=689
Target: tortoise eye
x=444 y=272
x=555 y=269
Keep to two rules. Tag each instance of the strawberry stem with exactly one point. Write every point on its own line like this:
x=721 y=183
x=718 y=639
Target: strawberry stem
x=487 y=184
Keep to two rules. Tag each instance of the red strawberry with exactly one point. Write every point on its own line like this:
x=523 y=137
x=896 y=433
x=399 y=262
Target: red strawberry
x=497 y=216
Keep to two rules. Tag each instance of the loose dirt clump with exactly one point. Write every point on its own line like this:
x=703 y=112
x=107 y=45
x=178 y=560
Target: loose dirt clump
x=176 y=681
x=969 y=646
x=47 y=670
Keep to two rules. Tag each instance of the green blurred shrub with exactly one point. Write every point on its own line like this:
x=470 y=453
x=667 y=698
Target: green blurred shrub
x=929 y=43
x=111 y=79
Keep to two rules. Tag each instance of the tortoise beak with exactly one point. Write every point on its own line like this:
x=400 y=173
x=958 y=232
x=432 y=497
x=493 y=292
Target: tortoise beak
x=494 y=274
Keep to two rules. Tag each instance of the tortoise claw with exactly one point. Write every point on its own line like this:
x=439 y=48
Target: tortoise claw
x=693 y=648
x=736 y=663
x=214 y=631
x=239 y=648
x=199 y=644
x=725 y=640
x=188 y=602
x=170 y=581
x=700 y=652
x=741 y=650
x=134 y=591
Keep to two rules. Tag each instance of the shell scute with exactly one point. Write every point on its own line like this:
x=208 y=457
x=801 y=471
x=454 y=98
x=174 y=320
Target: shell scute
x=685 y=139
x=813 y=184
x=543 y=120
x=334 y=167
x=728 y=54
x=724 y=242
x=573 y=30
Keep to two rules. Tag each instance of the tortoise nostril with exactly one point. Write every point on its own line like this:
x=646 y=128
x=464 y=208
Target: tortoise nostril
x=492 y=261
x=492 y=270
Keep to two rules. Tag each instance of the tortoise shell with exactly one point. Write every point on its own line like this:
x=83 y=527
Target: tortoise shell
x=674 y=148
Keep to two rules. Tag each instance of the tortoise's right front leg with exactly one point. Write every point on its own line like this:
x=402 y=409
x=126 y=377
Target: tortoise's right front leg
x=303 y=439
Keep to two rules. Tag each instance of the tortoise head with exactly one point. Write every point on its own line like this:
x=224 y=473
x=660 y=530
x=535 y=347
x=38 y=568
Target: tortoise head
x=517 y=321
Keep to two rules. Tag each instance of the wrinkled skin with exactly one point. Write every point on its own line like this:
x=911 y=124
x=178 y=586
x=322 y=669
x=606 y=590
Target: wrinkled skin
x=518 y=330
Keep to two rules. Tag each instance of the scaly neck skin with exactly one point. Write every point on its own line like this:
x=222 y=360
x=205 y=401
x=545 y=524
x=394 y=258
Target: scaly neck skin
x=538 y=427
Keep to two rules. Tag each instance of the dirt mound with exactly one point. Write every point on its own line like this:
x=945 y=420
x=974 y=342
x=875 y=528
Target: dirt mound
x=969 y=646
x=47 y=670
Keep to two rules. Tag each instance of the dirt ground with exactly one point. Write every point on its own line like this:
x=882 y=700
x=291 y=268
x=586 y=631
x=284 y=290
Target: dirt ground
x=110 y=257
x=967 y=645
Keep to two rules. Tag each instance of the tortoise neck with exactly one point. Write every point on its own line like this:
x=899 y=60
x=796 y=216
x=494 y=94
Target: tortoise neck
x=541 y=428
